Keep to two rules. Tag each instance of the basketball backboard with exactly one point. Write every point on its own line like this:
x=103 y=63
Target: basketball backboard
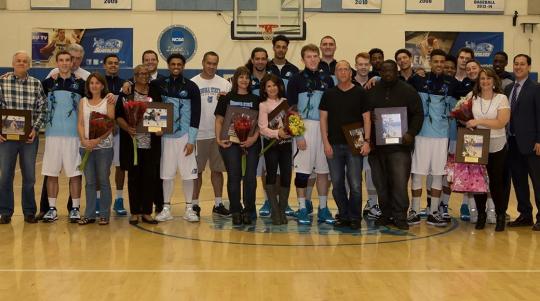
x=253 y=19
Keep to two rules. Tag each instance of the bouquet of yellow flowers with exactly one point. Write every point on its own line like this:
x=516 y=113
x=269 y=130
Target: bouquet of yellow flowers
x=293 y=125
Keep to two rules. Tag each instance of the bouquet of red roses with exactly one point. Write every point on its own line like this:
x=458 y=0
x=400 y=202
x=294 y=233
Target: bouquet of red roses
x=463 y=110
x=99 y=125
x=134 y=114
x=242 y=127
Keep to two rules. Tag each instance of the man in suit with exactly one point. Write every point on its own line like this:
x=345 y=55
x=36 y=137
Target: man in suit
x=524 y=140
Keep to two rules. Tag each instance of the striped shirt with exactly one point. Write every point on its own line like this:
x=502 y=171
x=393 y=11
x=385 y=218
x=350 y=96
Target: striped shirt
x=24 y=94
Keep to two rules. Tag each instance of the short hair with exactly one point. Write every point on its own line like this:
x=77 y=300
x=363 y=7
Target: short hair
x=242 y=70
x=466 y=50
x=451 y=58
x=343 y=62
x=101 y=79
x=374 y=51
x=528 y=58
x=138 y=68
x=249 y=64
x=439 y=52
x=270 y=77
x=108 y=56
x=328 y=37
x=21 y=52
x=278 y=38
x=210 y=53
x=149 y=52
x=309 y=47
x=75 y=47
x=63 y=52
x=391 y=62
x=497 y=86
x=400 y=51
x=176 y=56
x=474 y=62
x=502 y=53
x=363 y=55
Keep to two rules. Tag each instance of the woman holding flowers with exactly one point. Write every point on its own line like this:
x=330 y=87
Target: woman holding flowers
x=277 y=145
x=98 y=165
x=240 y=96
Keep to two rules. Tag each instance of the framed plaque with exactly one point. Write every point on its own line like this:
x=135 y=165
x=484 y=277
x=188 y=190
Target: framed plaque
x=354 y=133
x=16 y=124
x=233 y=114
x=390 y=125
x=158 y=117
x=472 y=146
x=277 y=116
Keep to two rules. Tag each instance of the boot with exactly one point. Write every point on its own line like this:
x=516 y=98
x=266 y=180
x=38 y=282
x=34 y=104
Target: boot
x=501 y=221
x=274 y=204
x=481 y=223
x=283 y=203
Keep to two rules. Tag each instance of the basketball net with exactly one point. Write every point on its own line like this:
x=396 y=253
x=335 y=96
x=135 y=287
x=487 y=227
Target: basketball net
x=267 y=31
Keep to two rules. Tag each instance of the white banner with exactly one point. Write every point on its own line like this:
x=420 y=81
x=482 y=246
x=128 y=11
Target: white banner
x=425 y=5
x=484 y=5
x=49 y=3
x=111 y=4
x=361 y=4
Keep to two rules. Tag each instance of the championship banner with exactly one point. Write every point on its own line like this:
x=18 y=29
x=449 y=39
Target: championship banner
x=2 y=4
x=97 y=43
x=484 y=45
x=361 y=4
x=49 y=3
x=484 y=5
x=425 y=5
x=110 y=4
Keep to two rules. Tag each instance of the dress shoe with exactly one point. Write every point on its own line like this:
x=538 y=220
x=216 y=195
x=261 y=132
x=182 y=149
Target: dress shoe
x=401 y=224
x=383 y=221
x=5 y=219
x=500 y=223
x=536 y=227
x=148 y=220
x=521 y=221
x=237 y=218
x=341 y=223
x=246 y=218
x=355 y=225
x=30 y=219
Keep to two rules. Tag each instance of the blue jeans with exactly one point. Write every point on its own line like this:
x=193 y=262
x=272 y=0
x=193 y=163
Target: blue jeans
x=99 y=165
x=27 y=162
x=346 y=164
x=232 y=158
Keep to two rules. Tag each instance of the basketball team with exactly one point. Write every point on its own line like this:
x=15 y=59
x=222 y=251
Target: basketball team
x=327 y=94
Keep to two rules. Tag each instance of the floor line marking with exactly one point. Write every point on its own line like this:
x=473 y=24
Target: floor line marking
x=218 y=271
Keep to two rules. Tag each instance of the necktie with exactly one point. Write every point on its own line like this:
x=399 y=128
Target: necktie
x=513 y=103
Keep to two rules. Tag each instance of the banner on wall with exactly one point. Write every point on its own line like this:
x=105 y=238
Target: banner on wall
x=49 y=3
x=425 y=5
x=361 y=4
x=484 y=5
x=97 y=43
x=177 y=39
x=110 y=4
x=484 y=45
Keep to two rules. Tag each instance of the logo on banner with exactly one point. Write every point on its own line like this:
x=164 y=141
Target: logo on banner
x=110 y=46
x=481 y=49
x=177 y=39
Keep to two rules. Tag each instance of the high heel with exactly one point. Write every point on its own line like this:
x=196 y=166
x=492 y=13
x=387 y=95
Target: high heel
x=501 y=222
x=481 y=223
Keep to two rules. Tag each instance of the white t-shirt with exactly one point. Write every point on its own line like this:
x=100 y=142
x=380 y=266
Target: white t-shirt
x=210 y=90
x=488 y=109
x=80 y=72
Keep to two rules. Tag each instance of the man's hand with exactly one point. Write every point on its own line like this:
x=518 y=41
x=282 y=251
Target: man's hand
x=223 y=143
x=188 y=149
x=537 y=149
x=301 y=144
x=408 y=139
x=111 y=99
x=328 y=151
x=126 y=88
x=370 y=83
x=31 y=136
x=364 y=151
x=5 y=75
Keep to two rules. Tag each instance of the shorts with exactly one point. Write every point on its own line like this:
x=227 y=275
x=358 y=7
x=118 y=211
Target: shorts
x=61 y=152
x=429 y=157
x=173 y=158
x=312 y=159
x=208 y=151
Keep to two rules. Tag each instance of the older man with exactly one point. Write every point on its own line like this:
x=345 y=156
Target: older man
x=20 y=91
x=77 y=54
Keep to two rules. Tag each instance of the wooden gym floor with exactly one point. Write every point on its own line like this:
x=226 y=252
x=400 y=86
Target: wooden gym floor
x=210 y=260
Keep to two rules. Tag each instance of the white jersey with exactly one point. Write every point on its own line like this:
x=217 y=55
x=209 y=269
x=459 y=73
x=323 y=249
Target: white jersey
x=80 y=72
x=210 y=90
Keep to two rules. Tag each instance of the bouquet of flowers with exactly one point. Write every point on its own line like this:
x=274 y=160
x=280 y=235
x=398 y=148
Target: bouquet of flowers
x=242 y=127
x=293 y=126
x=463 y=110
x=99 y=125
x=134 y=112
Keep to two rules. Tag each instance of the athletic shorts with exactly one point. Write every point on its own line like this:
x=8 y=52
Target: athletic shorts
x=429 y=157
x=208 y=151
x=61 y=153
x=312 y=159
x=173 y=158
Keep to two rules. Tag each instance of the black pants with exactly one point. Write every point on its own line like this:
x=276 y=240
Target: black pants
x=144 y=183
x=278 y=155
x=496 y=170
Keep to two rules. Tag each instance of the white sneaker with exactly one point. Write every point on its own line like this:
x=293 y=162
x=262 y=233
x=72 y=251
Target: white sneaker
x=474 y=215
x=491 y=216
x=191 y=215
x=165 y=214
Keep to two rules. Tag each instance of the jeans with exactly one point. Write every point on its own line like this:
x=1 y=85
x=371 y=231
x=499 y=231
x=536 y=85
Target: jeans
x=99 y=165
x=232 y=157
x=27 y=161
x=346 y=164
x=390 y=172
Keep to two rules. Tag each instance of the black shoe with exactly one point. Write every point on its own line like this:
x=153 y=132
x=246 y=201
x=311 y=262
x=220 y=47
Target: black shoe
x=197 y=210
x=500 y=223
x=383 y=221
x=150 y=221
x=246 y=218
x=536 y=227
x=219 y=210
x=30 y=219
x=355 y=225
x=341 y=223
x=4 y=219
x=237 y=218
x=521 y=221
x=401 y=224
x=40 y=215
x=481 y=223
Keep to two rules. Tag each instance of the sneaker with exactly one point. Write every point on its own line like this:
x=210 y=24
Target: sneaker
x=190 y=215
x=118 y=206
x=289 y=211
x=51 y=215
x=74 y=215
x=97 y=207
x=464 y=213
x=220 y=210
x=424 y=212
x=365 y=211
x=325 y=216
x=165 y=214
x=265 y=209
x=303 y=217
x=443 y=209
x=413 y=218
x=436 y=220
x=491 y=216
x=309 y=207
x=473 y=217
x=197 y=210
x=374 y=211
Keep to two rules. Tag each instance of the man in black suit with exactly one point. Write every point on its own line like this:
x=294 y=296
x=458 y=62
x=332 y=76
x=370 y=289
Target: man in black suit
x=524 y=140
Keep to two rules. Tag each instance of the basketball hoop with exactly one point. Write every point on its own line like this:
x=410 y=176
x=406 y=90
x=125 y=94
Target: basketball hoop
x=267 y=31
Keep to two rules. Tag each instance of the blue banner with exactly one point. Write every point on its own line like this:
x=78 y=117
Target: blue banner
x=484 y=45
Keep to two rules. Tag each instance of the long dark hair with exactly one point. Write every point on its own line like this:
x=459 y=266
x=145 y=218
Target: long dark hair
x=242 y=70
x=101 y=79
x=489 y=72
x=277 y=81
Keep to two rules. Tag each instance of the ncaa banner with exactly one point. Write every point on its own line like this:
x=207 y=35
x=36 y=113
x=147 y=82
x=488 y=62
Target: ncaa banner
x=372 y=5
x=177 y=39
x=110 y=4
x=484 y=45
x=97 y=43
x=484 y=5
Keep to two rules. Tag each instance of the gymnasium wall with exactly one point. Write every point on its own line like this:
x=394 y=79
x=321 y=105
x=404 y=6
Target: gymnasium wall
x=354 y=32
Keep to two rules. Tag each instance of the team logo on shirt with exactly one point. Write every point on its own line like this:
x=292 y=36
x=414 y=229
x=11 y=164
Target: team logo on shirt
x=75 y=86
x=288 y=74
x=183 y=94
x=210 y=99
